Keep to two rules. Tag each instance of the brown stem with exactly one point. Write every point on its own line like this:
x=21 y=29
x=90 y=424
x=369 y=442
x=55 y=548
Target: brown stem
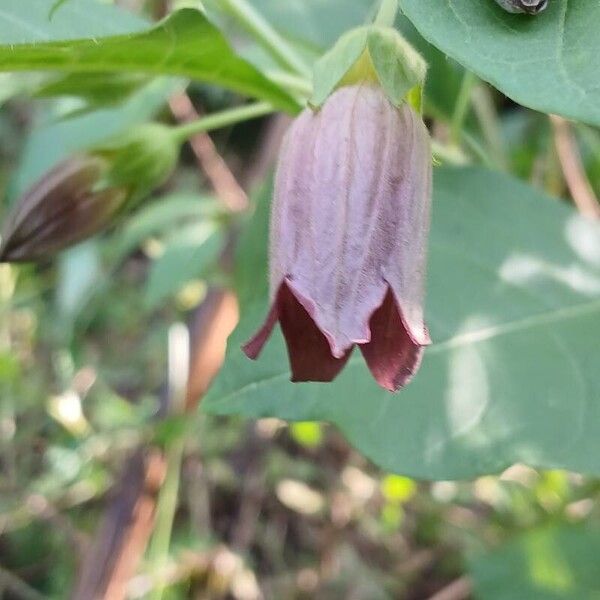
x=460 y=589
x=209 y=160
x=572 y=167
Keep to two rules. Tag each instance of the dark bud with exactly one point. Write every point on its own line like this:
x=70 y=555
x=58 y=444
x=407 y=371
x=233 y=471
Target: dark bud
x=64 y=207
x=84 y=194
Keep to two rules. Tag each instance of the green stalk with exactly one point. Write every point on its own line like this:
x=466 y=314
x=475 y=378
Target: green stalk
x=387 y=13
x=264 y=33
x=462 y=106
x=294 y=84
x=487 y=115
x=222 y=119
x=158 y=552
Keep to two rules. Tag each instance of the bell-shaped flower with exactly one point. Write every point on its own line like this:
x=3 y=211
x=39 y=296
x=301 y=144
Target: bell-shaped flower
x=349 y=229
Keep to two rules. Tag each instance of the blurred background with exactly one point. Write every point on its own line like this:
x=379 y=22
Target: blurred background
x=113 y=485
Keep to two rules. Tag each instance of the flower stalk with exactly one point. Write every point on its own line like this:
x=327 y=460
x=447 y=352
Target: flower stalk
x=267 y=36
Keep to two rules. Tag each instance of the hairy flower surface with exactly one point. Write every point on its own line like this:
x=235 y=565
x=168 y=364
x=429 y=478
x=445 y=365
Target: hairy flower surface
x=349 y=231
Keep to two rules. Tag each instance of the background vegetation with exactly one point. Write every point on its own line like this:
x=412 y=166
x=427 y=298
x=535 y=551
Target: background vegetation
x=479 y=480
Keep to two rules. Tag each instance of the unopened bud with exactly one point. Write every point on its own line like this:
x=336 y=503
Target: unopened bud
x=83 y=194
x=61 y=209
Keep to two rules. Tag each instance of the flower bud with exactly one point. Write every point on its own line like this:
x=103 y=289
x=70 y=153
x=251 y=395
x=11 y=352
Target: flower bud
x=349 y=231
x=61 y=209
x=85 y=193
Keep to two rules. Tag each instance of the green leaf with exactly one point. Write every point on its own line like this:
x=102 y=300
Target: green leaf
x=97 y=89
x=514 y=311
x=547 y=62
x=554 y=563
x=184 y=44
x=36 y=21
x=187 y=255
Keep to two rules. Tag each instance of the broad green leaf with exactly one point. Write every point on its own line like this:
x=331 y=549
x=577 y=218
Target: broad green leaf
x=97 y=89
x=514 y=311
x=30 y=21
x=553 y=563
x=187 y=255
x=547 y=62
x=184 y=44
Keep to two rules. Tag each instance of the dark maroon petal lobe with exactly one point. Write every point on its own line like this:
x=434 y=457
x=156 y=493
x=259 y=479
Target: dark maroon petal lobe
x=392 y=356
x=253 y=347
x=308 y=349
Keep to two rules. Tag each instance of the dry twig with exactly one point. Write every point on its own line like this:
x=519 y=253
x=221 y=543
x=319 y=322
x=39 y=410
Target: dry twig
x=460 y=589
x=572 y=167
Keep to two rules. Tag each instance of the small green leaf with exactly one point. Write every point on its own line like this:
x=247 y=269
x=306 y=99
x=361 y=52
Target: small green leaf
x=370 y=54
x=331 y=68
x=184 y=44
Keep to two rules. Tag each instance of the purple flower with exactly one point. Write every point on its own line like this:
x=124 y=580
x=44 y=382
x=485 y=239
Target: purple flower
x=349 y=231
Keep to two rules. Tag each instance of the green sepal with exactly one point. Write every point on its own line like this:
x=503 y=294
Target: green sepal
x=140 y=160
x=371 y=54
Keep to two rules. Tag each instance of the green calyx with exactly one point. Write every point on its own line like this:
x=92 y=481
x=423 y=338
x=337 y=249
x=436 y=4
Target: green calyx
x=140 y=160
x=372 y=54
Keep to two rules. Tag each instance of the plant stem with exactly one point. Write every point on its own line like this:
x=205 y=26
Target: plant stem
x=292 y=83
x=461 y=108
x=158 y=552
x=265 y=34
x=387 y=13
x=222 y=119
x=487 y=115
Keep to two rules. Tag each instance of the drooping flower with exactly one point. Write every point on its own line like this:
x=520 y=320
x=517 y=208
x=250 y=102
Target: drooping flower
x=349 y=228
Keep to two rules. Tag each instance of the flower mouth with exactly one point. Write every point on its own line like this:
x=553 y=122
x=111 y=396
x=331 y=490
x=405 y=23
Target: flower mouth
x=392 y=354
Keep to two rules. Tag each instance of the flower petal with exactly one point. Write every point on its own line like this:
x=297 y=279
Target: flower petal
x=253 y=347
x=308 y=348
x=309 y=351
x=351 y=212
x=392 y=355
